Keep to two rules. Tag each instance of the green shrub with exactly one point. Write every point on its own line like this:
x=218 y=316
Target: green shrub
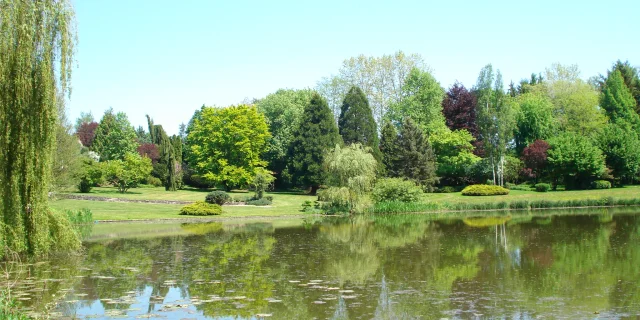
x=270 y=198
x=395 y=190
x=484 y=190
x=601 y=184
x=447 y=189
x=85 y=185
x=153 y=181
x=259 y=202
x=201 y=208
x=543 y=187
x=522 y=187
x=217 y=197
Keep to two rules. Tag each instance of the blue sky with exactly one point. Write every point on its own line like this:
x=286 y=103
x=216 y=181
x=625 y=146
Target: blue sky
x=167 y=58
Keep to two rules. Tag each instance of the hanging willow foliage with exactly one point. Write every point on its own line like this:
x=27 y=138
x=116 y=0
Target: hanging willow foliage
x=36 y=50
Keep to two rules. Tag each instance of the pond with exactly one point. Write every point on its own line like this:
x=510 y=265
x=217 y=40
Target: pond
x=395 y=267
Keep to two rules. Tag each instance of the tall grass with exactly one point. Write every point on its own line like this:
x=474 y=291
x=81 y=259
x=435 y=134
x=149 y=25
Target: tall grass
x=82 y=221
x=401 y=207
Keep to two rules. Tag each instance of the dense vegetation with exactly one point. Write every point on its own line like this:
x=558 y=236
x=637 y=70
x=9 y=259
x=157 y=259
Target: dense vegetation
x=550 y=130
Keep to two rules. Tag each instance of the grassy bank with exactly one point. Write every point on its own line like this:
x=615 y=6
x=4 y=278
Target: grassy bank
x=284 y=204
x=289 y=204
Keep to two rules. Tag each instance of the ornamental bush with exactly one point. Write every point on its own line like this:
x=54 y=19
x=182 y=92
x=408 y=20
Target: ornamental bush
x=201 y=209
x=543 y=187
x=259 y=202
x=601 y=184
x=484 y=190
x=396 y=190
x=217 y=197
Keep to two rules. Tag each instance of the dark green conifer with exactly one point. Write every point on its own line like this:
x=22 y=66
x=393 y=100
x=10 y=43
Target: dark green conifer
x=389 y=149
x=416 y=160
x=356 y=123
x=316 y=134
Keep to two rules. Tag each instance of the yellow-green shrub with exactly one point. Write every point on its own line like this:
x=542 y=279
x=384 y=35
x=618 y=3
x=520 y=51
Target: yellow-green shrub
x=201 y=208
x=484 y=190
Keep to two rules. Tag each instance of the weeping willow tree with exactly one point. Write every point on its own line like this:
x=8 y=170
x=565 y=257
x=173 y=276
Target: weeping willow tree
x=351 y=172
x=36 y=50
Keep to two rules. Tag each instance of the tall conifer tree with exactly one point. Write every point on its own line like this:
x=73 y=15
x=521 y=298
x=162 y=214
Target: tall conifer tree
x=356 y=123
x=316 y=133
x=416 y=160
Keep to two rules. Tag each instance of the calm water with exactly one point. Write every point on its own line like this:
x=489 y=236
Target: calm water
x=401 y=267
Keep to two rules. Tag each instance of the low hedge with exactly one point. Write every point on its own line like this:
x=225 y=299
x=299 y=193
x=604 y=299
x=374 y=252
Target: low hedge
x=201 y=208
x=543 y=187
x=259 y=202
x=601 y=184
x=484 y=190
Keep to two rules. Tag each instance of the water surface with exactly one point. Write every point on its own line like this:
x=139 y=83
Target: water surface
x=575 y=266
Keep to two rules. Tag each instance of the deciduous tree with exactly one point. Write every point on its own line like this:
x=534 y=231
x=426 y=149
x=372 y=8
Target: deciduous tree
x=226 y=144
x=380 y=78
x=574 y=159
x=127 y=173
x=283 y=111
x=421 y=101
x=36 y=57
x=115 y=137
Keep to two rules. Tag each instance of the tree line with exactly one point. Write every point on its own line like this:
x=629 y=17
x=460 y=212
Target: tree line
x=552 y=127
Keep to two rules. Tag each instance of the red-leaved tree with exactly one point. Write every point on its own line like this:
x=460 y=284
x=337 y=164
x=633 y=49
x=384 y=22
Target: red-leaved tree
x=459 y=110
x=534 y=157
x=149 y=150
x=87 y=132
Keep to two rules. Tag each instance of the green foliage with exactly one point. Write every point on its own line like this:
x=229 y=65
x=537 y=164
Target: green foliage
x=574 y=159
x=217 y=197
x=575 y=101
x=395 y=190
x=403 y=207
x=115 y=137
x=496 y=119
x=283 y=112
x=90 y=175
x=421 y=101
x=226 y=144
x=261 y=182
x=201 y=208
x=542 y=187
x=36 y=58
x=351 y=172
x=535 y=120
x=388 y=149
x=601 y=184
x=356 y=123
x=415 y=158
x=618 y=102
x=454 y=155
x=259 y=202
x=127 y=173
x=67 y=158
x=620 y=146
x=316 y=134
x=9 y=309
x=153 y=181
x=484 y=190
x=380 y=78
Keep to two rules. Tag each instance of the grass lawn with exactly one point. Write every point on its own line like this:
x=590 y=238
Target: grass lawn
x=284 y=204
x=515 y=195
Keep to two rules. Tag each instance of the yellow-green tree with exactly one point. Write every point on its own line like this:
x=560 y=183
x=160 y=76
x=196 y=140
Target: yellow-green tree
x=226 y=144
x=36 y=50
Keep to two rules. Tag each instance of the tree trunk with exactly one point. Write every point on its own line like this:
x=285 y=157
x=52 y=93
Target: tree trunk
x=314 y=190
